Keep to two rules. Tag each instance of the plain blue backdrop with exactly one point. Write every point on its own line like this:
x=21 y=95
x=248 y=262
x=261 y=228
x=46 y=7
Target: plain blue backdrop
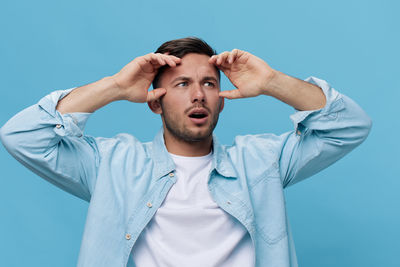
x=347 y=215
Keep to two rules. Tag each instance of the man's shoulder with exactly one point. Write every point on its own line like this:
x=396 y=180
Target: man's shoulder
x=119 y=142
x=125 y=138
x=259 y=140
x=254 y=144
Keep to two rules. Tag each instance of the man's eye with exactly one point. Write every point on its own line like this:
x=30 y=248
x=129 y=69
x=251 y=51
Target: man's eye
x=181 y=84
x=209 y=84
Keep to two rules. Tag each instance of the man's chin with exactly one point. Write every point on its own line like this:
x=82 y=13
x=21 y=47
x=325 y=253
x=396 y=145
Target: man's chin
x=197 y=136
x=192 y=135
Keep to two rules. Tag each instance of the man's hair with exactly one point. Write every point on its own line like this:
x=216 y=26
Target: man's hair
x=180 y=48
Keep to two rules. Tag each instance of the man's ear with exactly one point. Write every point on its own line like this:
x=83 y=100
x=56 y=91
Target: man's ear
x=222 y=103
x=155 y=106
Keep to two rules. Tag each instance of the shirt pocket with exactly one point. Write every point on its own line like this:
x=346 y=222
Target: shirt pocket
x=269 y=209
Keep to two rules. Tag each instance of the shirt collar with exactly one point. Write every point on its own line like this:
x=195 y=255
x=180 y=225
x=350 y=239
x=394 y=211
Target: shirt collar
x=163 y=163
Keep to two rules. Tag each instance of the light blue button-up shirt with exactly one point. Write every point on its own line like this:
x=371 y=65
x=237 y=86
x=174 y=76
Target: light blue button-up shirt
x=126 y=180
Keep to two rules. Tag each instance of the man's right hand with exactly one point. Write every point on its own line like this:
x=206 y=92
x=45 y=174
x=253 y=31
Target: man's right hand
x=135 y=78
x=131 y=83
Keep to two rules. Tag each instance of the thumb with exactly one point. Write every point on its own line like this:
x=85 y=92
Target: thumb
x=155 y=94
x=231 y=94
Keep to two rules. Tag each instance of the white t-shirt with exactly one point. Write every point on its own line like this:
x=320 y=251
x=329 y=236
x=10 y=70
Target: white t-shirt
x=189 y=228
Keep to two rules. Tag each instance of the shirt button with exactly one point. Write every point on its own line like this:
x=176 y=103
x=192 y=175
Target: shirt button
x=128 y=236
x=228 y=202
x=171 y=174
x=149 y=204
x=58 y=126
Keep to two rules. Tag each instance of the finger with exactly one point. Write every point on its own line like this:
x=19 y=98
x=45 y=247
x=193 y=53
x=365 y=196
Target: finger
x=212 y=59
x=170 y=61
x=216 y=59
x=155 y=94
x=151 y=59
x=231 y=94
x=174 y=58
x=223 y=69
x=232 y=56
x=154 y=60
x=222 y=57
x=159 y=59
x=146 y=63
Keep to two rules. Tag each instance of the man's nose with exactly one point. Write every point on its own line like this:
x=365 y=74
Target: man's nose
x=198 y=94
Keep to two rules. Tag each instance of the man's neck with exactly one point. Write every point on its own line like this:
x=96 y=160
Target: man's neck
x=185 y=148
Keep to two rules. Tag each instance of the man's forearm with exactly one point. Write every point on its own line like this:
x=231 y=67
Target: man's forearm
x=90 y=97
x=297 y=93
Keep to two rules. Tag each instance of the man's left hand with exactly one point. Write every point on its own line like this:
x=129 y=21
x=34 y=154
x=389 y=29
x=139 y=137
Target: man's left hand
x=248 y=73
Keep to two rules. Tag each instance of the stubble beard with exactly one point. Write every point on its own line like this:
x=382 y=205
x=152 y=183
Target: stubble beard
x=182 y=133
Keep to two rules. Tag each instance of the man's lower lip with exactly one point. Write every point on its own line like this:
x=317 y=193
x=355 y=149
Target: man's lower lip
x=198 y=120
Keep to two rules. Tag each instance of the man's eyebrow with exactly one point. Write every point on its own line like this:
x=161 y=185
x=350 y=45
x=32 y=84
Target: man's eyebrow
x=208 y=78
x=181 y=78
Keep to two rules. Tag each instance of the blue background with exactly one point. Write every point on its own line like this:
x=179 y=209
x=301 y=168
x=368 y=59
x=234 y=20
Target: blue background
x=347 y=215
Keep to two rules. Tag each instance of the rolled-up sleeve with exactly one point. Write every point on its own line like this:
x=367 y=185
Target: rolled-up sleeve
x=53 y=145
x=323 y=136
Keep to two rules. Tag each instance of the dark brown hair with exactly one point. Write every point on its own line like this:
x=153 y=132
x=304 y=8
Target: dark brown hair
x=180 y=48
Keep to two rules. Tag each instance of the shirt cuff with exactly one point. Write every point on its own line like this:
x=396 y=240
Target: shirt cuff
x=64 y=124
x=313 y=118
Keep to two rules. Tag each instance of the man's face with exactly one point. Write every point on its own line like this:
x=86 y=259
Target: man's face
x=191 y=106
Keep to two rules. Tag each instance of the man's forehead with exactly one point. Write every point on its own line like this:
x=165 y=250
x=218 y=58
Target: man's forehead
x=192 y=65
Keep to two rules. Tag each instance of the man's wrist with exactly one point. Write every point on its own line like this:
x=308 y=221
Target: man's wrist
x=90 y=97
x=110 y=84
x=295 y=92
x=271 y=82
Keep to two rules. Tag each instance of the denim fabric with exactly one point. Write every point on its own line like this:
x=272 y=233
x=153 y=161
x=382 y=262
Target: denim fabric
x=121 y=176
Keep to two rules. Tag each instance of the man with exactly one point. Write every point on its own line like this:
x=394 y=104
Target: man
x=184 y=199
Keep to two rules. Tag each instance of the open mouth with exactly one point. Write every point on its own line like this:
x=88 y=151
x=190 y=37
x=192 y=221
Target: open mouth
x=198 y=115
